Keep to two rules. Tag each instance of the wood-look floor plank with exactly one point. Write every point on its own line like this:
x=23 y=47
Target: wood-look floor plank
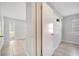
x=14 y=48
x=67 y=49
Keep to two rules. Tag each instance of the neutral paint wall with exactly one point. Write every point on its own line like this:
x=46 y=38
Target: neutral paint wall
x=1 y=29
x=20 y=27
x=50 y=42
x=67 y=29
x=15 y=12
x=13 y=9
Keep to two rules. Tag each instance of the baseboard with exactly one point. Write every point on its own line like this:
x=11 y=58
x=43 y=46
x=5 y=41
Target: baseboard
x=55 y=49
x=27 y=54
x=70 y=42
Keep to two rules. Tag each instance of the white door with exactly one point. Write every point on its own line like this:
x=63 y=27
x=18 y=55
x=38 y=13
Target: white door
x=51 y=29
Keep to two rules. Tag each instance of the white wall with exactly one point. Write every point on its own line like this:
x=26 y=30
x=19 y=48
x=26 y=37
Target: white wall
x=50 y=42
x=13 y=9
x=68 y=34
x=20 y=27
x=21 y=30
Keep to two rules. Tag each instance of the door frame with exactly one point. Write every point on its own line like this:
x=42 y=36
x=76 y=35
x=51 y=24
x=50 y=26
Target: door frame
x=39 y=28
x=36 y=28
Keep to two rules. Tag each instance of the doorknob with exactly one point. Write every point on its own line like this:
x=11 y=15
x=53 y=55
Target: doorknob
x=1 y=36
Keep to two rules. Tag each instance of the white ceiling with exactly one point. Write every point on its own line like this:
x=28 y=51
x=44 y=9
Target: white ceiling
x=66 y=8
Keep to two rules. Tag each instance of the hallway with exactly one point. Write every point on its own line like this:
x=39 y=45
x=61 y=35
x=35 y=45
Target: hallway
x=67 y=49
x=14 y=48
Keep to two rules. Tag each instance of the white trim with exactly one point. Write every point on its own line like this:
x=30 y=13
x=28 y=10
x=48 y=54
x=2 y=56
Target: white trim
x=70 y=42
x=27 y=54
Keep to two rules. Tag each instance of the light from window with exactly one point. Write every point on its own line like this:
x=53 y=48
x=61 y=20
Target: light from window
x=50 y=28
x=11 y=29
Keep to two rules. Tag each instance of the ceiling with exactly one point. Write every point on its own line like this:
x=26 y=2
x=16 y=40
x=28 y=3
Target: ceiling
x=65 y=8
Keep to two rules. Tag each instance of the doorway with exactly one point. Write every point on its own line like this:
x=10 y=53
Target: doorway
x=17 y=29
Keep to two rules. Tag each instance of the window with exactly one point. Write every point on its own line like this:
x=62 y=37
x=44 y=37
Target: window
x=11 y=30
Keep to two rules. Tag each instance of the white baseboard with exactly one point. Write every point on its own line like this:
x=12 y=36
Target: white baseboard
x=27 y=54
x=55 y=49
x=70 y=42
